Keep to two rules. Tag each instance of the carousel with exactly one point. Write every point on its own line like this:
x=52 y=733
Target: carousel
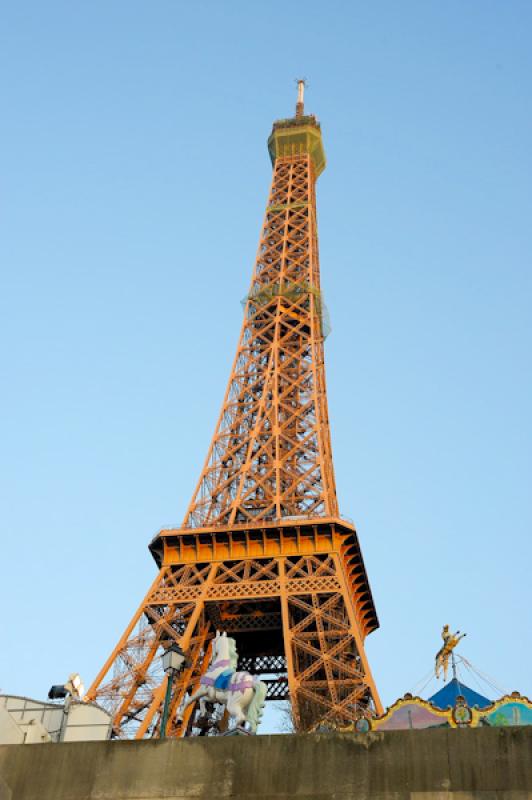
x=455 y=705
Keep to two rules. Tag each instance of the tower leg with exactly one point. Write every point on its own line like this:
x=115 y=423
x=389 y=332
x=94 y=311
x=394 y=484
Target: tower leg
x=131 y=684
x=288 y=648
x=329 y=678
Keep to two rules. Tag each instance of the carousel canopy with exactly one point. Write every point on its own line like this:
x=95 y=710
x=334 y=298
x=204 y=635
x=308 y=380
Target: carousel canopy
x=446 y=696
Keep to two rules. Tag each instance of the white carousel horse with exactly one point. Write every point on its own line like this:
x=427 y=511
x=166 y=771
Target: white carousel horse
x=242 y=693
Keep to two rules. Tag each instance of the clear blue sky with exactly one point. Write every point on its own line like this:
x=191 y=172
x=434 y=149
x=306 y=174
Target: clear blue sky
x=133 y=178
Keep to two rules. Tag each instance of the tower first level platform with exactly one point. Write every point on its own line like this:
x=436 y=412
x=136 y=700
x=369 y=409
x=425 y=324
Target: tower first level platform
x=288 y=538
x=294 y=595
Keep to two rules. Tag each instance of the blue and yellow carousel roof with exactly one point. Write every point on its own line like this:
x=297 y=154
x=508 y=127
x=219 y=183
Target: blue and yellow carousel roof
x=446 y=696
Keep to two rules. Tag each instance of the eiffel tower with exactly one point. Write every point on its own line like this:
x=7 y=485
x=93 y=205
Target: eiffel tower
x=262 y=553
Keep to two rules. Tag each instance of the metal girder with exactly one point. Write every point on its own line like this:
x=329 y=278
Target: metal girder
x=257 y=665
x=277 y=688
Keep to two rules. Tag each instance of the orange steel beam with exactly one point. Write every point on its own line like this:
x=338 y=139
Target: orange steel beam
x=91 y=693
x=287 y=642
x=358 y=638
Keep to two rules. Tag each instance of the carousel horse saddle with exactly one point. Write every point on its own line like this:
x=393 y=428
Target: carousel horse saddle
x=223 y=680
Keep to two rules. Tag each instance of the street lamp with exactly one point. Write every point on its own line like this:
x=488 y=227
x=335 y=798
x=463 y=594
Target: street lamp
x=173 y=660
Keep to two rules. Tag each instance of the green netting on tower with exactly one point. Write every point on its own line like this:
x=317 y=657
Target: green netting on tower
x=292 y=292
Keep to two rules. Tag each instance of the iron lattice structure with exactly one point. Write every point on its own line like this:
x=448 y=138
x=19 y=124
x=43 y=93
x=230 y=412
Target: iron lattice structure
x=262 y=552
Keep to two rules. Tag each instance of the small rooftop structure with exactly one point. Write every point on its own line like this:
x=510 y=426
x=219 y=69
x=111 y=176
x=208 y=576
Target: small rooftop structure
x=27 y=721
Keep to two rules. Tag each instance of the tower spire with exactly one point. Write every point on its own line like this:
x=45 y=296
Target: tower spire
x=300 y=105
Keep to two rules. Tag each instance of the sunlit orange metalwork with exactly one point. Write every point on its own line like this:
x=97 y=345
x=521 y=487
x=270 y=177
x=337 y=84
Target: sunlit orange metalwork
x=262 y=552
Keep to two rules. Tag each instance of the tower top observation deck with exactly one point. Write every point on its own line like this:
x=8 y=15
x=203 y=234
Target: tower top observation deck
x=298 y=135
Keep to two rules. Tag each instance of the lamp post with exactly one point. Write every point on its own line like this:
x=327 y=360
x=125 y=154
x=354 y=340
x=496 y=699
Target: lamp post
x=173 y=661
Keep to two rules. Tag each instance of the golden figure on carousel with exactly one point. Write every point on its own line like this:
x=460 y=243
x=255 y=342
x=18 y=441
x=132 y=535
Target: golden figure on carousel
x=450 y=640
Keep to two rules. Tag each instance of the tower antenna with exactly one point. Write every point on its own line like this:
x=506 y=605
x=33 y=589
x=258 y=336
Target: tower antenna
x=301 y=83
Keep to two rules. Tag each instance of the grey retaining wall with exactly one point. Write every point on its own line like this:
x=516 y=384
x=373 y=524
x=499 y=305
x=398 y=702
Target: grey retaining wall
x=438 y=764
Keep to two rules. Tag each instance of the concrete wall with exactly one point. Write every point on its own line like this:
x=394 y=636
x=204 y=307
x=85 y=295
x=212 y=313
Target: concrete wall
x=438 y=764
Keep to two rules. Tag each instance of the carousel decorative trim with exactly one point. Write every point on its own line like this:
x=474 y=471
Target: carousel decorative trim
x=415 y=713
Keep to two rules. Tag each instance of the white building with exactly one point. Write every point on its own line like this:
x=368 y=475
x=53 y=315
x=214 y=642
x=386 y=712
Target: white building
x=26 y=721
